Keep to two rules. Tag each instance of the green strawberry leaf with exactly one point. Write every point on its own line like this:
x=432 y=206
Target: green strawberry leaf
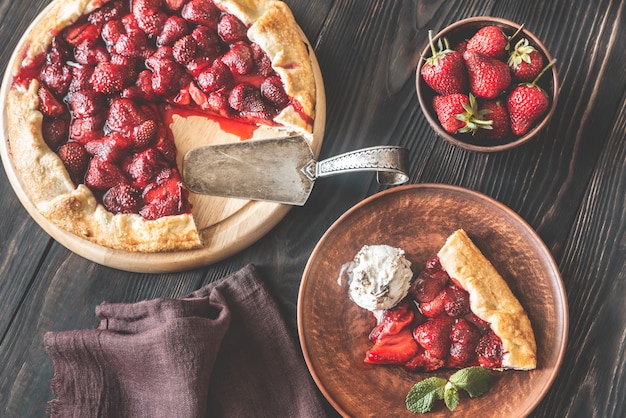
x=423 y=395
x=474 y=380
x=451 y=396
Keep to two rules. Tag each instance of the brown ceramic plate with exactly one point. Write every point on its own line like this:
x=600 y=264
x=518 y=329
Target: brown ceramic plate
x=418 y=218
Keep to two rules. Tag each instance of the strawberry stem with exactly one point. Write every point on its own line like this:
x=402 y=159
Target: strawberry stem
x=550 y=64
x=432 y=43
x=510 y=38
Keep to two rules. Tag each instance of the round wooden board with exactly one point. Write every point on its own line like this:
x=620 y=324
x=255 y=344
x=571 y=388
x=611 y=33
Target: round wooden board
x=226 y=225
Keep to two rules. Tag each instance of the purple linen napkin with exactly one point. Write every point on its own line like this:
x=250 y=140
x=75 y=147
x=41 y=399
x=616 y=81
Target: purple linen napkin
x=223 y=351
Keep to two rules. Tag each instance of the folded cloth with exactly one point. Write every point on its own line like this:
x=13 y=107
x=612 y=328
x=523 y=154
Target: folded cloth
x=222 y=351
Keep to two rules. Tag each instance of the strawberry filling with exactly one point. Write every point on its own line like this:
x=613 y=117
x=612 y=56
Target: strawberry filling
x=106 y=81
x=433 y=328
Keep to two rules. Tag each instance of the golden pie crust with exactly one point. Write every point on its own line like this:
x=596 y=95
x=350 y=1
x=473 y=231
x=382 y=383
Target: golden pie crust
x=491 y=300
x=47 y=183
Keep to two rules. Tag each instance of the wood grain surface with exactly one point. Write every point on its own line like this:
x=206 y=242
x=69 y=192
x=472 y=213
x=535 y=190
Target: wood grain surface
x=568 y=184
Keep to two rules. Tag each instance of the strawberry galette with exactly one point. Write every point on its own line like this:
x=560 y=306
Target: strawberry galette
x=459 y=312
x=94 y=81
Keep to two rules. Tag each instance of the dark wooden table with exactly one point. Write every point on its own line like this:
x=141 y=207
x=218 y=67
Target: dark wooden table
x=569 y=184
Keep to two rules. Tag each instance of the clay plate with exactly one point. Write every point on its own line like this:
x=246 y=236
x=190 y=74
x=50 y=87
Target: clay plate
x=418 y=218
x=226 y=226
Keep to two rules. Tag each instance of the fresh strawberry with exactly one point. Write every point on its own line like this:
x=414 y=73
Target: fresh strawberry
x=122 y=198
x=434 y=336
x=490 y=41
x=489 y=350
x=48 y=104
x=239 y=58
x=74 y=158
x=201 y=12
x=464 y=337
x=55 y=132
x=102 y=174
x=525 y=61
x=393 y=349
x=458 y=113
x=174 y=28
x=496 y=112
x=110 y=78
x=231 y=29
x=444 y=71
x=526 y=104
x=488 y=77
x=272 y=91
x=113 y=147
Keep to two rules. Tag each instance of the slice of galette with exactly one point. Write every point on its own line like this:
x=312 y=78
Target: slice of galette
x=459 y=312
x=95 y=83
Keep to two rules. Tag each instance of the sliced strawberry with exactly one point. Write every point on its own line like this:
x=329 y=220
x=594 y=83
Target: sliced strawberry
x=393 y=349
x=82 y=32
x=74 y=158
x=434 y=336
x=102 y=174
x=122 y=198
x=165 y=196
x=394 y=320
x=48 y=104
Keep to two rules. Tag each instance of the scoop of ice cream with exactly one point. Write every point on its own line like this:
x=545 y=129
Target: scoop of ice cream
x=379 y=277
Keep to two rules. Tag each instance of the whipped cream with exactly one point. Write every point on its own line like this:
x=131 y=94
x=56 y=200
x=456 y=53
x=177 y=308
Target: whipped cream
x=379 y=277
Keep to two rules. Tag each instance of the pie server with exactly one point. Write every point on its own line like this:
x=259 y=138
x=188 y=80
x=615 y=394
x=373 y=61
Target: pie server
x=282 y=169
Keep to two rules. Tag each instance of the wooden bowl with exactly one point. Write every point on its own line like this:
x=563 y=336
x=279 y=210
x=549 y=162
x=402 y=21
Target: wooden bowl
x=334 y=331
x=464 y=29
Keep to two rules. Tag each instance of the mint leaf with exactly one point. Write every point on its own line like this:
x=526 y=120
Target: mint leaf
x=423 y=395
x=451 y=396
x=474 y=380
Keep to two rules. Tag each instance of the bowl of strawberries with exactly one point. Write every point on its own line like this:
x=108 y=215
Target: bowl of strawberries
x=486 y=84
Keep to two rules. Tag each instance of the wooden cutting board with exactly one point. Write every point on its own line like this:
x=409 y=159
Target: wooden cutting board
x=226 y=225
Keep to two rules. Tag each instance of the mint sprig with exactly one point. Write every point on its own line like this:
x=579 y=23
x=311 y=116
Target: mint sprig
x=474 y=380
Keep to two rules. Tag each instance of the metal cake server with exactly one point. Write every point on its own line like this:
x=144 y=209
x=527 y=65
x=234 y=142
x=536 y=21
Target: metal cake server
x=282 y=169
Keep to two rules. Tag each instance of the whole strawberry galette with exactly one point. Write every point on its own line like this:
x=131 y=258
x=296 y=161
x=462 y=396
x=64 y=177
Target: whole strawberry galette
x=94 y=81
x=458 y=312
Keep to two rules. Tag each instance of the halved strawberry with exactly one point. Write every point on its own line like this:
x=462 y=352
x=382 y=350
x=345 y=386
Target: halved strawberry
x=393 y=349
x=394 y=320
x=48 y=104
